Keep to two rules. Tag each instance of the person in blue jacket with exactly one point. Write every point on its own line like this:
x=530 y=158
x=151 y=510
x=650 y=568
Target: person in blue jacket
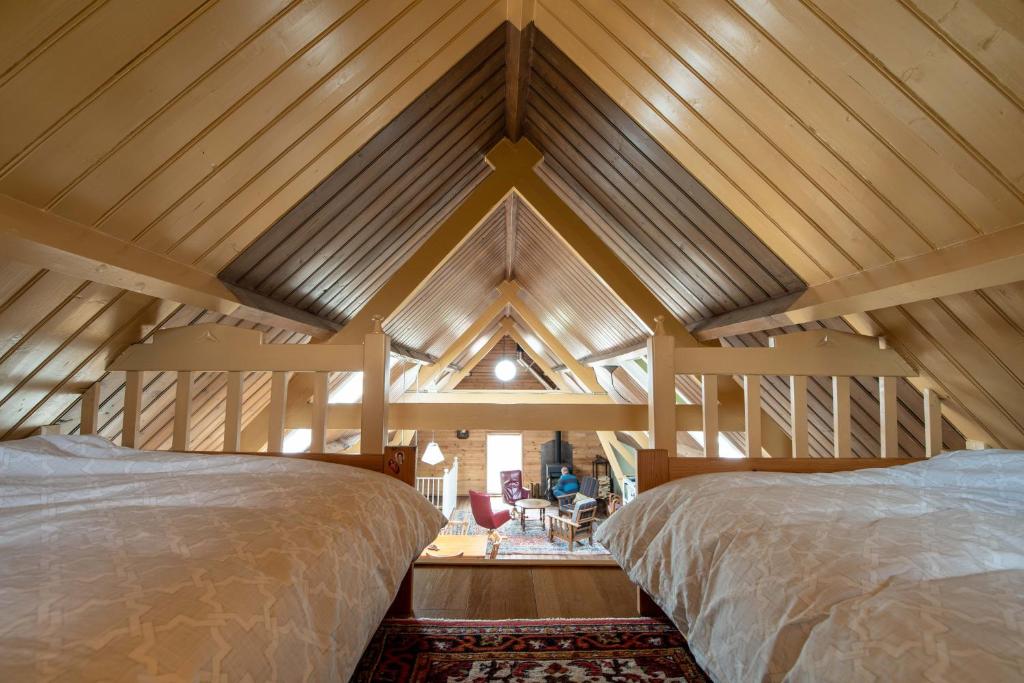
x=567 y=483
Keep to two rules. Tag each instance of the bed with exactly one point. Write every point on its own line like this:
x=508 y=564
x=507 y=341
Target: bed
x=119 y=564
x=910 y=573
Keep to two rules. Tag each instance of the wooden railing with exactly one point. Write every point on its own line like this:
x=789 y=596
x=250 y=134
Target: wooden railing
x=838 y=356
x=441 y=491
x=236 y=351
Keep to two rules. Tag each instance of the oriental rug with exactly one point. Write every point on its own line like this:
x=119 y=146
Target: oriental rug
x=524 y=651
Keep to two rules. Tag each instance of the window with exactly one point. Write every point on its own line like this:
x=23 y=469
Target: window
x=504 y=452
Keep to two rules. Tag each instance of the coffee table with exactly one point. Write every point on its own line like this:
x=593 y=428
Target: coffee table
x=531 y=504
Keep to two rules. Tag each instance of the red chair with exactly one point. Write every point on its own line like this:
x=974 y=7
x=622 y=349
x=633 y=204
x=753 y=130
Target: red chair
x=512 y=487
x=485 y=516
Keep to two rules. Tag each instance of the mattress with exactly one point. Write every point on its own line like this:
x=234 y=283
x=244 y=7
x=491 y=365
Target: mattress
x=911 y=573
x=118 y=564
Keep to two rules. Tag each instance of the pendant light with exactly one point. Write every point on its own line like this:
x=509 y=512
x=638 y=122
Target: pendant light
x=432 y=454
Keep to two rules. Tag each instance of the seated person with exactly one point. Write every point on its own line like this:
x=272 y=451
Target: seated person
x=567 y=483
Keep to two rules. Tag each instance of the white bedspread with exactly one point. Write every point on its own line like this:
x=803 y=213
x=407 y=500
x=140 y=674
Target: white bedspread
x=913 y=573
x=117 y=564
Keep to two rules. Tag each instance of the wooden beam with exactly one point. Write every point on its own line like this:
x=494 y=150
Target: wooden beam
x=709 y=406
x=661 y=390
x=841 y=417
x=373 y=429
x=223 y=348
x=888 y=418
x=318 y=421
x=452 y=381
x=535 y=397
x=985 y=261
x=932 y=423
x=89 y=422
x=132 y=409
x=276 y=411
x=46 y=240
x=814 y=353
x=618 y=355
x=798 y=415
x=518 y=55
x=484 y=322
x=233 y=412
x=583 y=373
x=610 y=417
x=752 y=415
x=182 y=437
x=555 y=377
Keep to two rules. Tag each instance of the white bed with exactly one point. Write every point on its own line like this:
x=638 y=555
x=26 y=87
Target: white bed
x=912 y=573
x=117 y=564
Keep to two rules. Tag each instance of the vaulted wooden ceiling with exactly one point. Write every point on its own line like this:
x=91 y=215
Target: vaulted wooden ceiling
x=730 y=151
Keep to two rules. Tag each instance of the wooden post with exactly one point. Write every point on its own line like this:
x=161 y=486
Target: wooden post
x=932 y=423
x=841 y=417
x=233 y=412
x=888 y=418
x=651 y=471
x=278 y=406
x=752 y=414
x=374 y=420
x=89 y=422
x=318 y=427
x=798 y=415
x=709 y=409
x=661 y=389
x=182 y=437
x=132 y=411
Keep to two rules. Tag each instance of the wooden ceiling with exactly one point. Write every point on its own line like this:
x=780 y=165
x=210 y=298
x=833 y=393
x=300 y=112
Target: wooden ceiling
x=729 y=150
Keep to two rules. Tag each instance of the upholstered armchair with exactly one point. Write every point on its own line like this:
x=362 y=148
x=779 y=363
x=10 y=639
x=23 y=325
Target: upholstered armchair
x=512 y=488
x=579 y=525
x=485 y=515
x=588 y=487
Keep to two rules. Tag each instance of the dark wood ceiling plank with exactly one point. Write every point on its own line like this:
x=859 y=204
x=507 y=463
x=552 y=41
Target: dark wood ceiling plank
x=396 y=235
x=271 y=240
x=664 y=162
x=390 y=173
x=688 y=267
x=375 y=212
x=518 y=57
x=722 y=253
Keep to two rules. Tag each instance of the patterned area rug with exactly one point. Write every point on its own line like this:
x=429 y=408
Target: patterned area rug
x=552 y=651
x=515 y=541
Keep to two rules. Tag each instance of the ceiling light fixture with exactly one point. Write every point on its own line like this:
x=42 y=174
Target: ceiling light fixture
x=505 y=370
x=432 y=454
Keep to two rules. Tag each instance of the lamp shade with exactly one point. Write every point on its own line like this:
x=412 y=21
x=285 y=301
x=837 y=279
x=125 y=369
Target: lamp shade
x=432 y=454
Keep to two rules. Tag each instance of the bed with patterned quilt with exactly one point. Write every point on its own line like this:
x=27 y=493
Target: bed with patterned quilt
x=118 y=564
x=911 y=573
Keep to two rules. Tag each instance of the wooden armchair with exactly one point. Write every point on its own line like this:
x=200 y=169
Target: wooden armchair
x=566 y=503
x=577 y=527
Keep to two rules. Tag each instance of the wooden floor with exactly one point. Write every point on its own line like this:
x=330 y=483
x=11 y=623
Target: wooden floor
x=452 y=592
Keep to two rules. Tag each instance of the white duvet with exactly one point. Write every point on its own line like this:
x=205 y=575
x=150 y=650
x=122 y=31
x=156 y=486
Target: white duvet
x=912 y=573
x=117 y=564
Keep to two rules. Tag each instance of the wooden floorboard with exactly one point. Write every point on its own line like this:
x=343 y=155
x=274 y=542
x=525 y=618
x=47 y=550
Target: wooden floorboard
x=449 y=592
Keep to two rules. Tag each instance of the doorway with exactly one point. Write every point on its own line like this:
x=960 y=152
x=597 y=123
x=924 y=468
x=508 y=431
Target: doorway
x=504 y=452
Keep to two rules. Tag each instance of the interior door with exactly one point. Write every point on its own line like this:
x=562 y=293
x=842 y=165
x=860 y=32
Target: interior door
x=504 y=452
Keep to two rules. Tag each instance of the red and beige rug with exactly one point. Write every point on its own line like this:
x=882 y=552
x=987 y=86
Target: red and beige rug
x=523 y=651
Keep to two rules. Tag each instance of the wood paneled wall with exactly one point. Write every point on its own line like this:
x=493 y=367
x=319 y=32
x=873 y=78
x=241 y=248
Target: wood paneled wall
x=472 y=454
